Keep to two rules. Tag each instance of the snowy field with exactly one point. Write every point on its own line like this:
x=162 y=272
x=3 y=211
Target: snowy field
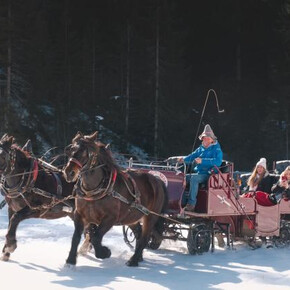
x=43 y=246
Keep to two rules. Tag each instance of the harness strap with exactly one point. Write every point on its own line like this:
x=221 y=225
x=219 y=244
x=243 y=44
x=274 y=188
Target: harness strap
x=136 y=205
x=46 y=207
x=117 y=195
x=43 y=193
x=137 y=194
x=114 y=176
x=35 y=170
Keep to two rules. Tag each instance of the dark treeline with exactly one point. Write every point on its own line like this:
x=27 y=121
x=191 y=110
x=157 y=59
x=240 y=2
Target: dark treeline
x=143 y=69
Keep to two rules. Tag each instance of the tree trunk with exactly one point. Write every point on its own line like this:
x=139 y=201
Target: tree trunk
x=156 y=107
x=127 y=82
x=94 y=65
x=9 y=70
x=68 y=105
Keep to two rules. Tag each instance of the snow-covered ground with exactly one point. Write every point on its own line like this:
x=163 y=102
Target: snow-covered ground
x=43 y=247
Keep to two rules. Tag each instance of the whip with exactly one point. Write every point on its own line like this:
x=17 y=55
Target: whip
x=204 y=106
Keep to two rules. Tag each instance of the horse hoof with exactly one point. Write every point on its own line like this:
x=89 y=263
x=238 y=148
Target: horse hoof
x=11 y=248
x=104 y=253
x=131 y=263
x=67 y=266
x=5 y=257
x=71 y=261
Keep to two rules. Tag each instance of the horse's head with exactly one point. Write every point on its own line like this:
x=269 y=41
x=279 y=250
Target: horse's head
x=5 y=153
x=82 y=154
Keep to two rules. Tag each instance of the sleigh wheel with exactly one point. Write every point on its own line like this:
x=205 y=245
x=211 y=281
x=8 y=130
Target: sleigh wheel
x=284 y=237
x=129 y=236
x=198 y=239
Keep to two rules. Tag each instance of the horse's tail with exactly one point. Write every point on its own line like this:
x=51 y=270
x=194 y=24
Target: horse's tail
x=160 y=225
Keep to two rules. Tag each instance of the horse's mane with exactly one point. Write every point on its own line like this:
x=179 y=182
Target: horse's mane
x=104 y=153
x=9 y=143
x=24 y=157
x=106 y=156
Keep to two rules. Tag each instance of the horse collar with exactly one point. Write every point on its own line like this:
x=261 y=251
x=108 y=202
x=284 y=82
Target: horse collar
x=99 y=192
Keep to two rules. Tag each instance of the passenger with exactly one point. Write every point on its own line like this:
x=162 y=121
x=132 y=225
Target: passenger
x=282 y=188
x=260 y=184
x=204 y=158
x=260 y=179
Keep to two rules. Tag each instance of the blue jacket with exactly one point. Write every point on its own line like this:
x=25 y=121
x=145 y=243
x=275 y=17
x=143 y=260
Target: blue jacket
x=210 y=156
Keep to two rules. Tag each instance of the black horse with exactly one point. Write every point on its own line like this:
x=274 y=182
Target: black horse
x=106 y=196
x=31 y=189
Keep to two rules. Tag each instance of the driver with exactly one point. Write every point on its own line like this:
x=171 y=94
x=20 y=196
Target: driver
x=204 y=158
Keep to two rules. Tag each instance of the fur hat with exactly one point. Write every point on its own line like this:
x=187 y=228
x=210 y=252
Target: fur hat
x=207 y=132
x=262 y=162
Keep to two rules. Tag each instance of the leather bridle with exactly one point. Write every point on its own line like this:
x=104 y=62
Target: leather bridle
x=104 y=186
x=90 y=163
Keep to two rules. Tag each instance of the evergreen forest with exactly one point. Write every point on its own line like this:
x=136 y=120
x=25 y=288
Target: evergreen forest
x=143 y=71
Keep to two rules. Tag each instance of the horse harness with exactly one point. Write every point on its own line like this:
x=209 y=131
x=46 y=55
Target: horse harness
x=103 y=190
x=27 y=184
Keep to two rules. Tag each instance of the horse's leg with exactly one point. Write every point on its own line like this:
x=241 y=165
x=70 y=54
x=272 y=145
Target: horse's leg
x=79 y=228
x=86 y=246
x=147 y=227
x=97 y=233
x=137 y=230
x=14 y=219
x=5 y=253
